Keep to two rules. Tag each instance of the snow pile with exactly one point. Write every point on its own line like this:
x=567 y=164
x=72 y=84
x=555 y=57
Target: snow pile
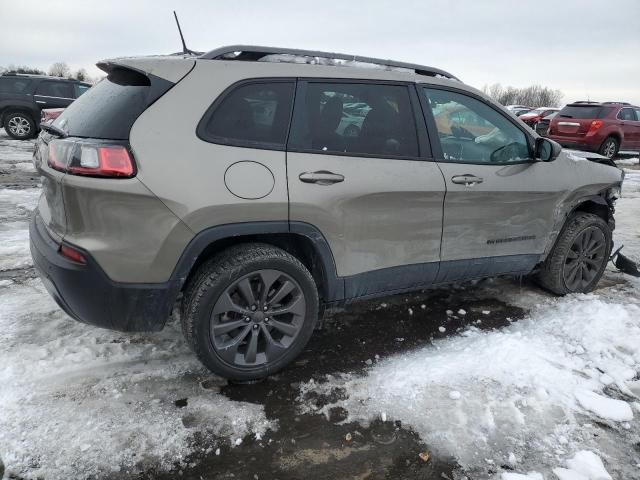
x=519 y=387
x=15 y=210
x=584 y=465
x=78 y=401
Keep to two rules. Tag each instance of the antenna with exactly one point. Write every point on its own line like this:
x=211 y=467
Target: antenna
x=185 y=50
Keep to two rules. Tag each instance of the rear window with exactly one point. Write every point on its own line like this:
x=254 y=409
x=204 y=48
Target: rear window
x=583 y=111
x=14 y=85
x=109 y=108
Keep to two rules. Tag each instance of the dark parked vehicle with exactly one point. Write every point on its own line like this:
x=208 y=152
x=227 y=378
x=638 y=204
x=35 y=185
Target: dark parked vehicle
x=263 y=209
x=542 y=127
x=22 y=98
x=604 y=127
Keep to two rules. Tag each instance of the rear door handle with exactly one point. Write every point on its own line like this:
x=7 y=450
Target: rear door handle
x=321 y=177
x=466 y=180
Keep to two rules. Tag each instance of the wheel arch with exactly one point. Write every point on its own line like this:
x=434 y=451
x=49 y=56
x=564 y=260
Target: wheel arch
x=302 y=240
x=18 y=108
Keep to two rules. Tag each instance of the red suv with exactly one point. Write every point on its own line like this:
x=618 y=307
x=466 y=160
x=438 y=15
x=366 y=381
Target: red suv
x=604 y=127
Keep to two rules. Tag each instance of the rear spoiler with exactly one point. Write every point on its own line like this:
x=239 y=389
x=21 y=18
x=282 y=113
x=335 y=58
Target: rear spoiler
x=170 y=68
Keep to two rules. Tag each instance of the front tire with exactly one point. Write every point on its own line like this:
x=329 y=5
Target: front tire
x=578 y=259
x=19 y=125
x=609 y=147
x=250 y=311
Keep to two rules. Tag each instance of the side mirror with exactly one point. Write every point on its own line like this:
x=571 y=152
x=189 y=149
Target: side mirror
x=547 y=150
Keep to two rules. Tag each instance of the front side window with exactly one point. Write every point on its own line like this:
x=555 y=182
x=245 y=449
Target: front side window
x=638 y=114
x=253 y=115
x=55 y=89
x=356 y=119
x=470 y=131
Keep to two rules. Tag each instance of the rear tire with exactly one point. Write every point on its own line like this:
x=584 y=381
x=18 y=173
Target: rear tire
x=609 y=147
x=19 y=125
x=250 y=311
x=579 y=257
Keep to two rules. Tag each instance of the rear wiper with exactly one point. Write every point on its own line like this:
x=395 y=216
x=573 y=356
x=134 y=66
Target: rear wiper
x=53 y=129
x=565 y=116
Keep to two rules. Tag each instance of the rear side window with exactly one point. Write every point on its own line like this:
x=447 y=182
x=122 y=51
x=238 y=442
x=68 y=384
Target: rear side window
x=55 y=89
x=626 y=114
x=254 y=115
x=356 y=119
x=637 y=114
x=80 y=89
x=108 y=109
x=14 y=85
x=583 y=111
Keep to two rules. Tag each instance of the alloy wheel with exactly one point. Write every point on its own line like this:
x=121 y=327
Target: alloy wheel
x=609 y=149
x=257 y=318
x=584 y=259
x=19 y=126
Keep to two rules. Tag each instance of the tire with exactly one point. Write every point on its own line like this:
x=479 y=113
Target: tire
x=223 y=330
x=569 y=254
x=609 y=147
x=20 y=125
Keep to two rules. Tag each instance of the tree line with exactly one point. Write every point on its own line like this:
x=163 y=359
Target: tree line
x=533 y=96
x=58 y=69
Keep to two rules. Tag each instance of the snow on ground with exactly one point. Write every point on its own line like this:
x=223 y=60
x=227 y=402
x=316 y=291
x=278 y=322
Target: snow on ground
x=531 y=395
x=77 y=401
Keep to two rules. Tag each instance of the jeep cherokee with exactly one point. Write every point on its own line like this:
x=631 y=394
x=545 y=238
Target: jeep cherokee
x=230 y=181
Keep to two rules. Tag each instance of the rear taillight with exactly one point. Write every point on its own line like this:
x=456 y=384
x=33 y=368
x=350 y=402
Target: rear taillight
x=72 y=254
x=91 y=158
x=595 y=125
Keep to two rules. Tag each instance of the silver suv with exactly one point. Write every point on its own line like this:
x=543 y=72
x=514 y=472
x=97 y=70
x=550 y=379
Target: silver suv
x=266 y=184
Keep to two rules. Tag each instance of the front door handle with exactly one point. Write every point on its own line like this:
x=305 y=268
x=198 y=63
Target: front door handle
x=321 y=177
x=466 y=180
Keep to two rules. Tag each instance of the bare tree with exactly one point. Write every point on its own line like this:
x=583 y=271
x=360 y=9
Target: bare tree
x=82 y=75
x=21 y=69
x=533 y=96
x=60 y=69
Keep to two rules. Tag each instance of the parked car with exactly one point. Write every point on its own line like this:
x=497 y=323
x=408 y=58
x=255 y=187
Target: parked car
x=261 y=215
x=518 y=107
x=50 y=114
x=534 y=116
x=542 y=127
x=520 y=111
x=22 y=97
x=604 y=127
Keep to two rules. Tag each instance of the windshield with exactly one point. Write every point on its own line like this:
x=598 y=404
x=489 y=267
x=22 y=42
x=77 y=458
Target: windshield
x=109 y=109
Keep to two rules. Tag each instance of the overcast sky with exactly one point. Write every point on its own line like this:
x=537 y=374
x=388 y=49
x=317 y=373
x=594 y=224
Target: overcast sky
x=587 y=49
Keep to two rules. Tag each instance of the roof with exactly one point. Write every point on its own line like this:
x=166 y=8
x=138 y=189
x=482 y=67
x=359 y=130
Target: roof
x=254 y=53
x=33 y=75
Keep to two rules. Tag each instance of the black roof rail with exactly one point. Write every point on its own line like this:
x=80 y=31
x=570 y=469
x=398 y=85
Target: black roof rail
x=616 y=103
x=584 y=101
x=255 y=53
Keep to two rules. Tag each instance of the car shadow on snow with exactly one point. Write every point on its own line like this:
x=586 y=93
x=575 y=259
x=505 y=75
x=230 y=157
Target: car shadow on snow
x=315 y=447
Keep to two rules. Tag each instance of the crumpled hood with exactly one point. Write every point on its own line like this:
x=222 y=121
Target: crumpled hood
x=578 y=155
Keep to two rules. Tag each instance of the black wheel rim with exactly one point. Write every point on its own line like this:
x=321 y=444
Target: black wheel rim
x=584 y=259
x=257 y=318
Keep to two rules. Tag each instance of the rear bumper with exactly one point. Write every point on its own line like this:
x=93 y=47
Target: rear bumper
x=88 y=295
x=579 y=143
